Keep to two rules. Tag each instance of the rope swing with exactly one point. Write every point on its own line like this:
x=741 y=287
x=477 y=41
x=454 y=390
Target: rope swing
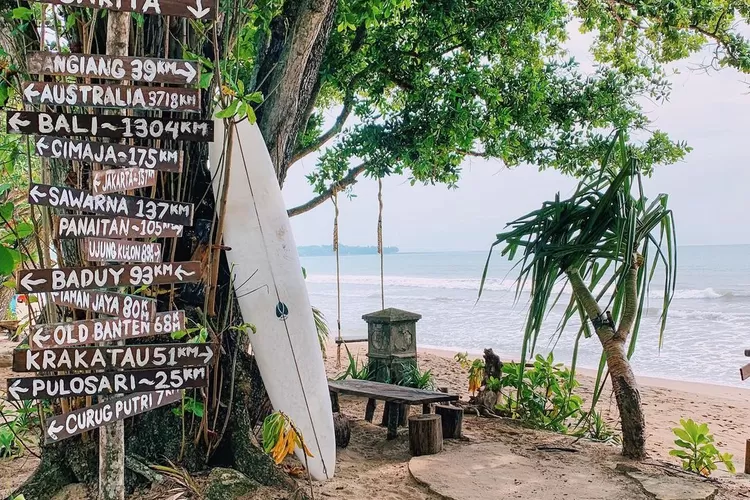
x=335 y=200
x=380 y=240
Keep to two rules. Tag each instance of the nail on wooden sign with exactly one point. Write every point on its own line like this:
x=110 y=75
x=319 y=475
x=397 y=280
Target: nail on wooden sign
x=90 y=331
x=93 y=384
x=195 y=9
x=173 y=212
x=89 y=418
x=131 y=357
x=121 y=179
x=104 y=250
x=109 y=303
x=83 y=226
x=113 y=126
x=86 y=278
x=133 y=69
x=97 y=95
x=118 y=155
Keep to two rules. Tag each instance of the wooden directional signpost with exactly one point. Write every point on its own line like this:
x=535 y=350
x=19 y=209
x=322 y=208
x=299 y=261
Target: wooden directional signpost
x=89 y=358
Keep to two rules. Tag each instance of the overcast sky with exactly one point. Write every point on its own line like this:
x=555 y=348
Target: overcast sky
x=709 y=191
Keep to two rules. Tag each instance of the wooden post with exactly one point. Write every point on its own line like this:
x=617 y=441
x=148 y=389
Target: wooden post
x=370 y=409
x=425 y=434
x=112 y=436
x=747 y=457
x=392 y=415
x=452 y=418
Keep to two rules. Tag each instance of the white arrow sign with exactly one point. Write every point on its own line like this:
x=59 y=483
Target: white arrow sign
x=207 y=355
x=36 y=193
x=30 y=93
x=16 y=123
x=189 y=72
x=181 y=273
x=28 y=283
x=39 y=339
x=41 y=145
x=199 y=12
x=14 y=390
x=52 y=430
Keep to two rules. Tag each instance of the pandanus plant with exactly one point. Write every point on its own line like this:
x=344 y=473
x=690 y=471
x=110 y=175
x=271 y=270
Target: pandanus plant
x=603 y=244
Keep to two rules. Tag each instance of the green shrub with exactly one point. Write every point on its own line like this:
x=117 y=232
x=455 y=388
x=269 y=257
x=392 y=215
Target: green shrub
x=697 y=449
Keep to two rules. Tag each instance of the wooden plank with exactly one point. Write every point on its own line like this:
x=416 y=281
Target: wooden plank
x=87 y=419
x=745 y=372
x=105 y=250
x=204 y=10
x=116 y=155
x=133 y=69
x=89 y=331
x=87 y=278
x=388 y=392
x=84 y=226
x=122 y=179
x=97 y=95
x=110 y=303
x=113 y=126
x=131 y=357
x=118 y=205
x=92 y=384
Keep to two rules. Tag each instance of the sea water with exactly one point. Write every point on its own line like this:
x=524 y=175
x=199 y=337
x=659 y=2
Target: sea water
x=708 y=326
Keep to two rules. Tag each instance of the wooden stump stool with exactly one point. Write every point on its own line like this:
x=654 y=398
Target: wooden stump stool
x=341 y=429
x=425 y=434
x=452 y=418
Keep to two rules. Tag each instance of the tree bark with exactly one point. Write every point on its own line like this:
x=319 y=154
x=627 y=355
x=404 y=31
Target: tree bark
x=289 y=72
x=613 y=342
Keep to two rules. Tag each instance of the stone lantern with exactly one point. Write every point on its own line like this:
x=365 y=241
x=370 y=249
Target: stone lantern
x=391 y=343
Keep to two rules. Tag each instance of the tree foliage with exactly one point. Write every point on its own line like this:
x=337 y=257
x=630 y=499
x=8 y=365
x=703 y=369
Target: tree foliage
x=423 y=84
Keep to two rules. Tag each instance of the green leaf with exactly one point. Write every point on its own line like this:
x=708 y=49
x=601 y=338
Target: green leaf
x=206 y=79
x=7 y=262
x=23 y=13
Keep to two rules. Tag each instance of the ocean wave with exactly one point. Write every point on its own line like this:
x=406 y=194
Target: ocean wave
x=501 y=285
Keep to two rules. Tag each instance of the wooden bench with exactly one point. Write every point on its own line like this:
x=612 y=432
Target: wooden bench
x=395 y=396
x=350 y=341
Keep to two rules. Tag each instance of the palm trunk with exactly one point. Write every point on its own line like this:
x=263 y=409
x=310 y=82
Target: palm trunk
x=613 y=342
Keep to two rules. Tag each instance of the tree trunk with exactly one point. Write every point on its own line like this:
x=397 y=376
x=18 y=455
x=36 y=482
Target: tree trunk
x=628 y=400
x=613 y=342
x=289 y=71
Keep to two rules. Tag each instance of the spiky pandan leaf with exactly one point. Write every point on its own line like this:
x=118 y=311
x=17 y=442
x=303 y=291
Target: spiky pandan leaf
x=322 y=328
x=596 y=232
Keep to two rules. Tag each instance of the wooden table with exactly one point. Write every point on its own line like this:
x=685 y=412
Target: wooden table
x=394 y=396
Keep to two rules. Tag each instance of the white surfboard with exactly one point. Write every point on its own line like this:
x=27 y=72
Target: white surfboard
x=264 y=258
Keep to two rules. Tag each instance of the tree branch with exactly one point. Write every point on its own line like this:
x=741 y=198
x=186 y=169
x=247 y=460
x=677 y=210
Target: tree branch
x=349 y=179
x=337 y=126
x=605 y=330
x=630 y=304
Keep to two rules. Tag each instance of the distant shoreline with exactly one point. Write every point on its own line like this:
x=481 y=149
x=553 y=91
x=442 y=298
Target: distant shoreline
x=327 y=250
